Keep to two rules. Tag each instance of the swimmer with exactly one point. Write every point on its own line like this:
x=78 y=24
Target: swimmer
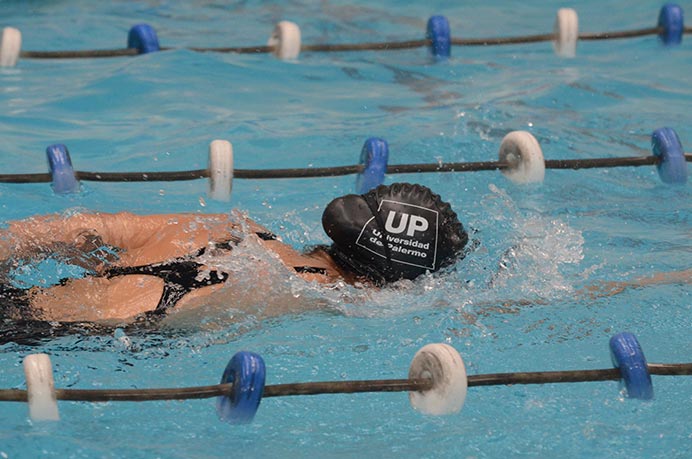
x=138 y=268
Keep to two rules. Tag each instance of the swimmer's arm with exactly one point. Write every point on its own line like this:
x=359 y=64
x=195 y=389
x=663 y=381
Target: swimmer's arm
x=614 y=287
x=36 y=234
x=124 y=230
x=602 y=289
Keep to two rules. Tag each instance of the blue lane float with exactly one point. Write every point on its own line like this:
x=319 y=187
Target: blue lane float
x=439 y=33
x=627 y=356
x=61 y=170
x=142 y=37
x=374 y=156
x=666 y=146
x=246 y=371
x=671 y=20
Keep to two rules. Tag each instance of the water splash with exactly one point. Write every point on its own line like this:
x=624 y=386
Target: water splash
x=518 y=257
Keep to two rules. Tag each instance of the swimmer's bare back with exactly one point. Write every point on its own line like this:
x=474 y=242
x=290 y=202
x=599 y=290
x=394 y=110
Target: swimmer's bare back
x=140 y=240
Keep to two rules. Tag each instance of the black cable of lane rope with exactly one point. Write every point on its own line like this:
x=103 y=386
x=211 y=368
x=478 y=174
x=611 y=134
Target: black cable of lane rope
x=633 y=161
x=326 y=47
x=298 y=173
x=111 y=176
x=88 y=53
x=236 y=50
x=568 y=376
x=26 y=178
x=550 y=37
x=622 y=34
x=502 y=40
x=379 y=46
x=345 y=387
x=142 y=176
x=333 y=171
x=79 y=54
x=199 y=392
x=356 y=169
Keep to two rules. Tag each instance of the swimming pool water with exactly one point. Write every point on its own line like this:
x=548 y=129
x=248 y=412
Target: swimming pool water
x=160 y=111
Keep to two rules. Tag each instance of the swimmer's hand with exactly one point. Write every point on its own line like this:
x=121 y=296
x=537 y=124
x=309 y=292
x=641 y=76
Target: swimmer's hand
x=5 y=246
x=87 y=251
x=4 y=253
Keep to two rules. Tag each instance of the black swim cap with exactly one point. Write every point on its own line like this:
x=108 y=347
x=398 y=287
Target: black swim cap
x=394 y=232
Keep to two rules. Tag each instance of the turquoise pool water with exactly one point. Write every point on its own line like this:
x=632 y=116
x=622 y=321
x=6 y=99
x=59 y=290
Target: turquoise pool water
x=578 y=228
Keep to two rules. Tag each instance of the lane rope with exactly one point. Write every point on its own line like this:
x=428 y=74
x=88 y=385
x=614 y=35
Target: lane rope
x=315 y=172
x=285 y=40
x=520 y=156
x=345 y=387
x=437 y=382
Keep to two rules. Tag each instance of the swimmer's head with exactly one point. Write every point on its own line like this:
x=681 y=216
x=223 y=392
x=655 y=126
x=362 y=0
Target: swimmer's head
x=394 y=232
